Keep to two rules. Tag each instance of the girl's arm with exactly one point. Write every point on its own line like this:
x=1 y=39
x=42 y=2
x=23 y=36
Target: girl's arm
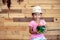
x=31 y=30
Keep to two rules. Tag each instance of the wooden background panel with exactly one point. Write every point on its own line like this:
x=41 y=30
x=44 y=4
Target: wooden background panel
x=46 y=1
x=47 y=19
x=14 y=37
x=13 y=28
x=17 y=7
x=16 y=15
x=8 y=20
x=14 y=10
x=51 y=15
x=57 y=19
x=10 y=37
x=51 y=37
x=16 y=4
x=2 y=36
x=4 y=15
x=56 y=6
x=1 y=22
x=42 y=6
x=15 y=24
x=51 y=33
x=4 y=7
x=3 y=32
x=26 y=11
x=11 y=11
x=53 y=11
x=53 y=24
x=21 y=28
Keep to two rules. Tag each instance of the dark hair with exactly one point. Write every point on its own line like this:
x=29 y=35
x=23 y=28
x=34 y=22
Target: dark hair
x=33 y=14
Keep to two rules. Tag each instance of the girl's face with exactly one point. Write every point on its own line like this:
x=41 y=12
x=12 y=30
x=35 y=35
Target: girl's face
x=35 y=16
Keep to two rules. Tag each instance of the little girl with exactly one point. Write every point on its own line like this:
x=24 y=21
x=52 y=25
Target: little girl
x=33 y=24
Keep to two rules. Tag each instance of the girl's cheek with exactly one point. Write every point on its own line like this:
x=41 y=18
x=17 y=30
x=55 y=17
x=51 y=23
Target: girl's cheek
x=35 y=16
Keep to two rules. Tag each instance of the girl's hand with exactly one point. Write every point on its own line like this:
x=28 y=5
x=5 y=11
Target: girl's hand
x=37 y=32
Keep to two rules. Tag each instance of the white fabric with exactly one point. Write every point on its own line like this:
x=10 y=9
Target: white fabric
x=39 y=38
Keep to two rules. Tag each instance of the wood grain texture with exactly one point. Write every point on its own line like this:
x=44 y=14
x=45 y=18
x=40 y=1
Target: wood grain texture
x=51 y=19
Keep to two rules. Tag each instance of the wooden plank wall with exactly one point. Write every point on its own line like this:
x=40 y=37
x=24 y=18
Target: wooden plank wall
x=14 y=25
